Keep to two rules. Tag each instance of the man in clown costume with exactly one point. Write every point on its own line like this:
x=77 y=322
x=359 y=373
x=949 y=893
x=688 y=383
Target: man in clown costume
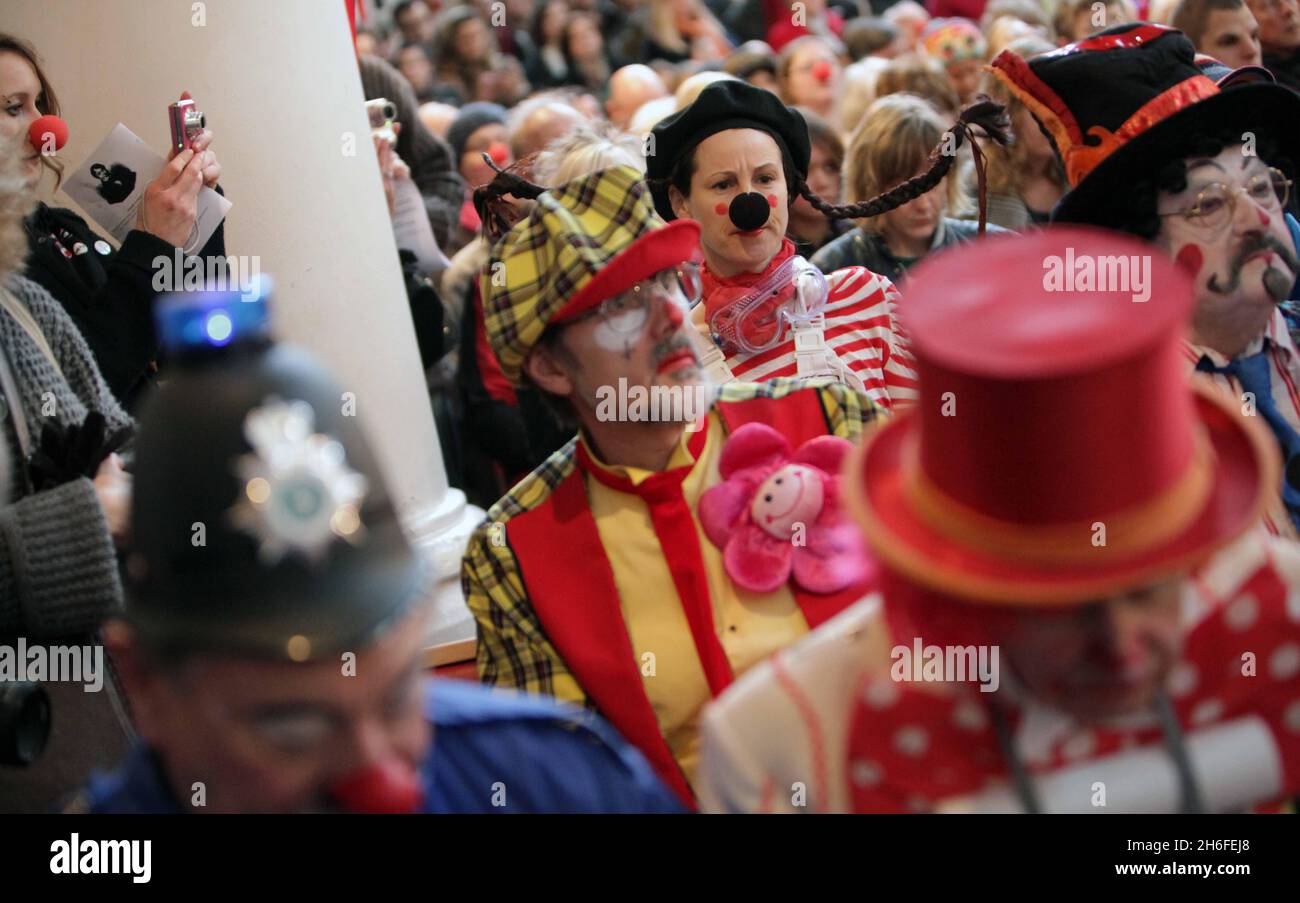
x=1199 y=161
x=1076 y=613
x=683 y=534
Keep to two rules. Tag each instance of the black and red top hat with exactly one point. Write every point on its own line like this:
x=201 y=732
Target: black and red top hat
x=1121 y=103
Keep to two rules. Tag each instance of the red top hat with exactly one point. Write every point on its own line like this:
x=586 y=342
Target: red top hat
x=1056 y=454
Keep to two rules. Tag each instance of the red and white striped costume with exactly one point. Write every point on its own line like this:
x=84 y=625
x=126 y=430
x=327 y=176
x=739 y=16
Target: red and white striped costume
x=1284 y=380
x=822 y=727
x=862 y=329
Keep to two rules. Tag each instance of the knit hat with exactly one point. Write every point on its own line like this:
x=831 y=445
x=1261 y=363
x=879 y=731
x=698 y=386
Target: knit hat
x=721 y=106
x=953 y=41
x=473 y=116
x=582 y=243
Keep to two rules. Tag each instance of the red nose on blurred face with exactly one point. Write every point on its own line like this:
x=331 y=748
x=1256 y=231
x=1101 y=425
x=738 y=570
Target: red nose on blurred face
x=391 y=787
x=821 y=71
x=499 y=152
x=45 y=130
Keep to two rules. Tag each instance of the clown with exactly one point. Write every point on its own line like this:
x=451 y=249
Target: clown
x=597 y=579
x=733 y=161
x=1100 y=560
x=1203 y=172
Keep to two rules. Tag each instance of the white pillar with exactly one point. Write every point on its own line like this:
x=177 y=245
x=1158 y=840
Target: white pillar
x=280 y=88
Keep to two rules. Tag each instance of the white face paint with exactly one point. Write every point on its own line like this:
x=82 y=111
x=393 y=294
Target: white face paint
x=625 y=317
x=619 y=331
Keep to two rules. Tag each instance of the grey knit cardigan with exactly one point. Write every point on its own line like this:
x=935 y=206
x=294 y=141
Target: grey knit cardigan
x=58 y=569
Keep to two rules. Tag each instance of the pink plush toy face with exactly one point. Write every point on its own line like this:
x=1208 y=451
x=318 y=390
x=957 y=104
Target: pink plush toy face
x=792 y=495
x=776 y=515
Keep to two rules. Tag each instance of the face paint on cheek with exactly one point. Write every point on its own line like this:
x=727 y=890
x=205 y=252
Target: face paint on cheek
x=619 y=333
x=771 y=201
x=720 y=209
x=1190 y=258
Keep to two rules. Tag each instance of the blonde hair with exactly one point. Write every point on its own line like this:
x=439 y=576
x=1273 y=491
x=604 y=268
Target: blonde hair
x=663 y=27
x=890 y=145
x=923 y=76
x=1007 y=165
x=16 y=201
x=589 y=148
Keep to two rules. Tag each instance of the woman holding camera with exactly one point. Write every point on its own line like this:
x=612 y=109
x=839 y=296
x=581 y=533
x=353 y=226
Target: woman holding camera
x=64 y=514
x=108 y=293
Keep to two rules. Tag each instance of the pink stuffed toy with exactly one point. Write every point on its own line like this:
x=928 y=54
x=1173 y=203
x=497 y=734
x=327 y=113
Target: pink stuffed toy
x=777 y=514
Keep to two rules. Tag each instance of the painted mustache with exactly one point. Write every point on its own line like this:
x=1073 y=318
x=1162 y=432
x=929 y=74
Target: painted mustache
x=1276 y=283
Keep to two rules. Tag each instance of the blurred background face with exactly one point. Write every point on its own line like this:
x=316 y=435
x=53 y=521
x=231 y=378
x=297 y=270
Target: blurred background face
x=274 y=736
x=823 y=179
x=1029 y=135
x=473 y=170
x=965 y=78
x=585 y=42
x=806 y=85
x=473 y=40
x=915 y=221
x=1232 y=37
x=414 y=64
x=19 y=89
x=728 y=164
x=1100 y=660
x=553 y=19
x=416 y=22
x=1279 y=23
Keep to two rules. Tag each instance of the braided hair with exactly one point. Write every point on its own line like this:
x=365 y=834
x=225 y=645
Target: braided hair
x=984 y=113
x=490 y=199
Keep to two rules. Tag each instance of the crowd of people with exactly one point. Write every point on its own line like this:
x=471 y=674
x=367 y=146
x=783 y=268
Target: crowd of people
x=968 y=326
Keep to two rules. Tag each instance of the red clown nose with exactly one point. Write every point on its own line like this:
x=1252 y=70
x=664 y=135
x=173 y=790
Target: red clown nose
x=499 y=152
x=821 y=71
x=391 y=787
x=45 y=130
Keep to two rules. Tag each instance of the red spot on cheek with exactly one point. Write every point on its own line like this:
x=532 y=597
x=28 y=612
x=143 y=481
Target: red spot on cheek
x=720 y=209
x=1190 y=258
x=771 y=200
x=1263 y=217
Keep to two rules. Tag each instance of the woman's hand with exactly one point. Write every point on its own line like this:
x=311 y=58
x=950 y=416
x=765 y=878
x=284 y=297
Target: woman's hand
x=391 y=168
x=113 y=488
x=201 y=143
x=170 y=202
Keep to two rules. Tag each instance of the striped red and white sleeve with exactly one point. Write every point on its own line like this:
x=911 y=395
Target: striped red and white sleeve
x=862 y=331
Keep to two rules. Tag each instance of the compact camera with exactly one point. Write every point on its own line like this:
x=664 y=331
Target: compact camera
x=382 y=113
x=186 y=124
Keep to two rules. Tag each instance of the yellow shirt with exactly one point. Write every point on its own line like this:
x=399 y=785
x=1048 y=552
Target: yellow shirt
x=750 y=626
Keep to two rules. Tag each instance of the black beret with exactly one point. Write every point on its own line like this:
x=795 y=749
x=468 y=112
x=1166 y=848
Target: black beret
x=723 y=105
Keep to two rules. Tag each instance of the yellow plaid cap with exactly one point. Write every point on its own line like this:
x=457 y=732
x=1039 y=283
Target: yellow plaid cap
x=583 y=242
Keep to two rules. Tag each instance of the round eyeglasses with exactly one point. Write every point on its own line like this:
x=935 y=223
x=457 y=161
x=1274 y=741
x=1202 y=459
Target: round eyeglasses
x=628 y=311
x=1216 y=203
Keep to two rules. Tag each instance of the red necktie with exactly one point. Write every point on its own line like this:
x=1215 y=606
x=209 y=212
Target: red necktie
x=674 y=527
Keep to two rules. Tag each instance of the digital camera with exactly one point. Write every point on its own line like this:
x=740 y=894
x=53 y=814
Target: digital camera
x=186 y=124
x=382 y=113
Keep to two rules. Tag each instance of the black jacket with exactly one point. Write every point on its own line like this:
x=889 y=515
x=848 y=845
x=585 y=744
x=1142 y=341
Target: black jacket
x=108 y=293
